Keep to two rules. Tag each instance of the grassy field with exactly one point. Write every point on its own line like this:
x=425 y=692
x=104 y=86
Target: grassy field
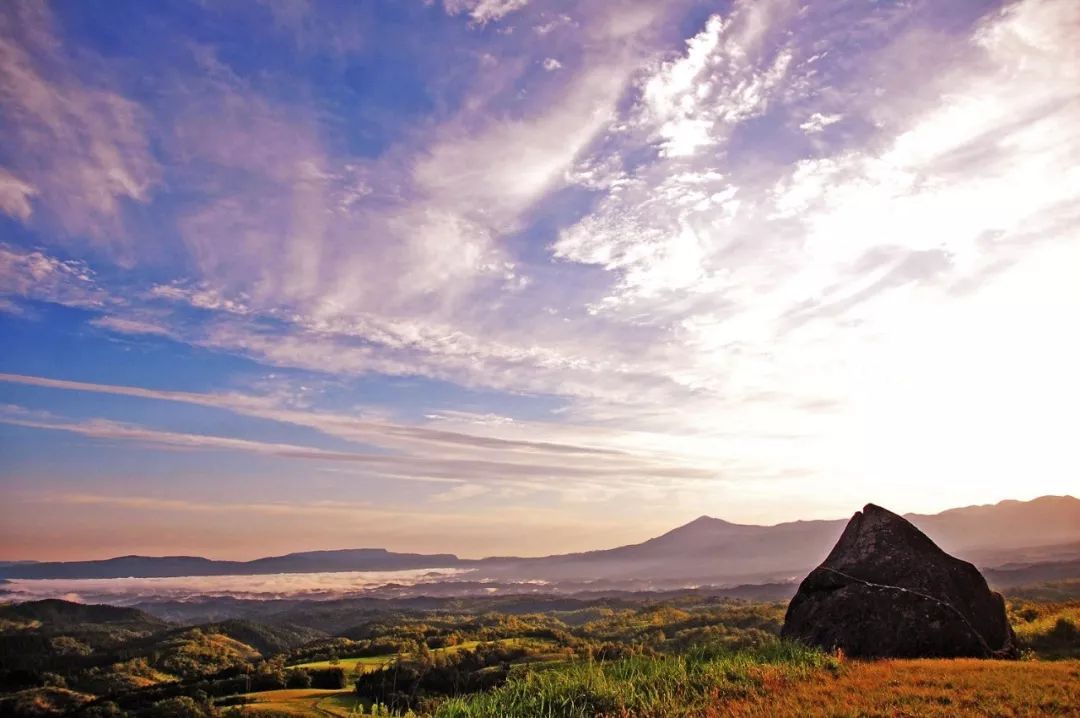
x=782 y=682
x=350 y=665
x=302 y=703
x=653 y=687
x=925 y=688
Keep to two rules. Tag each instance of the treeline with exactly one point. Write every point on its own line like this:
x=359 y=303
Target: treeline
x=419 y=681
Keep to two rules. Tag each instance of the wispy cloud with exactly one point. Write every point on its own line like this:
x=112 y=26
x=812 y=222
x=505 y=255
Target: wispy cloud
x=351 y=427
x=584 y=468
x=818 y=121
x=15 y=196
x=80 y=150
x=32 y=274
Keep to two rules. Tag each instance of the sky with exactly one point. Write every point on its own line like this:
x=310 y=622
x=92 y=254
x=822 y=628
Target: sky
x=528 y=276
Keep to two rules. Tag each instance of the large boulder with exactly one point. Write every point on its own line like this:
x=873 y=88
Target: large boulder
x=887 y=590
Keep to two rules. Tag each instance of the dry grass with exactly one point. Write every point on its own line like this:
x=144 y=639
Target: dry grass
x=924 y=688
x=303 y=703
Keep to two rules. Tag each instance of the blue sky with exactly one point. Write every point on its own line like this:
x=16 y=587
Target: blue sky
x=526 y=276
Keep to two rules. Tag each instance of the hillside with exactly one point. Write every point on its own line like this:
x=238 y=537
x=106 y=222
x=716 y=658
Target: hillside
x=57 y=615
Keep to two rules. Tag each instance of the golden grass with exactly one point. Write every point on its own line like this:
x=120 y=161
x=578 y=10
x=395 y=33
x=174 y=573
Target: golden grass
x=923 y=688
x=303 y=703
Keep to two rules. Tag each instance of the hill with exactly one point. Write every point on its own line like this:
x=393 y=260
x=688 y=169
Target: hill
x=60 y=616
x=268 y=640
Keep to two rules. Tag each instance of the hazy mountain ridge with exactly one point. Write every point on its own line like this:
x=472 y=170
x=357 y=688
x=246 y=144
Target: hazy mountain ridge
x=364 y=559
x=710 y=550
x=704 y=551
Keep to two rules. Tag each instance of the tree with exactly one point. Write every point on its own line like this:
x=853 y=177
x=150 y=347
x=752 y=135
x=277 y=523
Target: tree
x=182 y=707
x=298 y=679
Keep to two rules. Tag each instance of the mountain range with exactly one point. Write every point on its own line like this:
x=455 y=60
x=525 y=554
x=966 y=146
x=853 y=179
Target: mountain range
x=1009 y=536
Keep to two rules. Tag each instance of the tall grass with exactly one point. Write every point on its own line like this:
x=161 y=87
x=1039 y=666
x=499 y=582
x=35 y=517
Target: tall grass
x=642 y=686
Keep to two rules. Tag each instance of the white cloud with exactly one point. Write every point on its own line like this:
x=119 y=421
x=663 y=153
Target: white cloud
x=793 y=288
x=484 y=11
x=82 y=149
x=817 y=122
x=35 y=275
x=200 y=297
x=15 y=196
x=724 y=78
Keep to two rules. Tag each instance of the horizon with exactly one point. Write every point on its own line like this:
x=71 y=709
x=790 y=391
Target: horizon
x=528 y=277
x=466 y=557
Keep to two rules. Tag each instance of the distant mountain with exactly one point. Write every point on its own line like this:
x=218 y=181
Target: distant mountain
x=1037 y=573
x=709 y=550
x=706 y=551
x=363 y=559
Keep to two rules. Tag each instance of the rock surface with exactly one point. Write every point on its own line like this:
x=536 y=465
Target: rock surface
x=887 y=590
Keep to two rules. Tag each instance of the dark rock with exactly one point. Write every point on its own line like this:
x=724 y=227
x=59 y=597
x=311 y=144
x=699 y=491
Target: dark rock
x=887 y=590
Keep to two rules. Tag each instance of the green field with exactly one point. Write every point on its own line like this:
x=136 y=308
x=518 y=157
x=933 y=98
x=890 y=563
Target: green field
x=360 y=664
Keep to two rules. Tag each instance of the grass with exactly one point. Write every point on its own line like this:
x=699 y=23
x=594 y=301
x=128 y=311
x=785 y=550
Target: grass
x=962 y=688
x=362 y=664
x=781 y=681
x=302 y=703
x=650 y=687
